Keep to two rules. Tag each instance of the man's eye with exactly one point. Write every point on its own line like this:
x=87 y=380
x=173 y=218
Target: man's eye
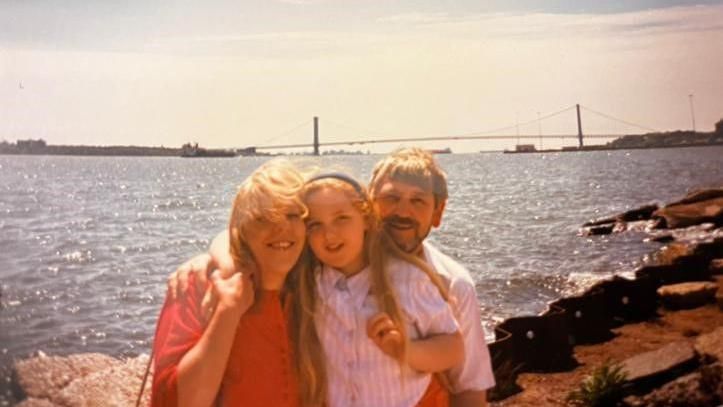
x=312 y=226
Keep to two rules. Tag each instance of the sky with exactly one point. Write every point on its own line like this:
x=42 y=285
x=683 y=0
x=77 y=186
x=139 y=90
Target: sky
x=244 y=73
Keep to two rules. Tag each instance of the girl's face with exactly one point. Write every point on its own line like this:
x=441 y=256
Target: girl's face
x=335 y=229
x=277 y=245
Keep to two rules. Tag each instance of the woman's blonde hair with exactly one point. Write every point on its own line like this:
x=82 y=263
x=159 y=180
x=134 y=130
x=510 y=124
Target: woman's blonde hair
x=267 y=194
x=378 y=247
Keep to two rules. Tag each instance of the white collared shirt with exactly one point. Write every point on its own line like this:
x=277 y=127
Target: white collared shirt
x=359 y=373
x=475 y=372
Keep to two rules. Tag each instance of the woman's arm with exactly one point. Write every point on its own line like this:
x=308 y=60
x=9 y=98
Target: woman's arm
x=201 y=370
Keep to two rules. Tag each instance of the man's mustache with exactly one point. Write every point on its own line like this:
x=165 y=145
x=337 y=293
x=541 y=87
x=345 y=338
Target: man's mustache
x=400 y=221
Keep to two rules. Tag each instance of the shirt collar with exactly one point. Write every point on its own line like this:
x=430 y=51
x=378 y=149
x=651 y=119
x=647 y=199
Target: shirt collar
x=357 y=285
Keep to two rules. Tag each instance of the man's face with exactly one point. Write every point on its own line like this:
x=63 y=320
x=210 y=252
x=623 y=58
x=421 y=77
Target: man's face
x=408 y=212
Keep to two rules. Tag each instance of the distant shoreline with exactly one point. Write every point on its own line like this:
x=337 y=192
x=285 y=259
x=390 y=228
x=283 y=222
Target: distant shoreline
x=676 y=139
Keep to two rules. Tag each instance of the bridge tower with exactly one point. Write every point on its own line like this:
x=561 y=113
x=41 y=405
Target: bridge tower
x=579 y=126
x=316 y=135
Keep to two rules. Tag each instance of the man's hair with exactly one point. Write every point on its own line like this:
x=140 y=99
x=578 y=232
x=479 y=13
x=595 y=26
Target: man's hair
x=413 y=166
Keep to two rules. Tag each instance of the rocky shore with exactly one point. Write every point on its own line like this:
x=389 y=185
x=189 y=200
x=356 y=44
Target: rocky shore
x=663 y=329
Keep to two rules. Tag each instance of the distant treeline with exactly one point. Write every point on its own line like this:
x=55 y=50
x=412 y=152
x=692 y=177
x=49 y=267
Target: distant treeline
x=41 y=147
x=677 y=138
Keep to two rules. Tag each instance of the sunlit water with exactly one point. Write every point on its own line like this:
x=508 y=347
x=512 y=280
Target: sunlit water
x=86 y=243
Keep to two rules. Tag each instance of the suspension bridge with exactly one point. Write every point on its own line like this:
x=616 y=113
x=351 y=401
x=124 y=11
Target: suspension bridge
x=501 y=133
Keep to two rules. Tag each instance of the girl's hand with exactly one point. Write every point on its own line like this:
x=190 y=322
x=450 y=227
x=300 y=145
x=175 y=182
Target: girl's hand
x=235 y=293
x=385 y=334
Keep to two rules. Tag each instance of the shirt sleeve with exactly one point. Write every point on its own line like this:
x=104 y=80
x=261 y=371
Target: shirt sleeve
x=429 y=312
x=475 y=373
x=179 y=328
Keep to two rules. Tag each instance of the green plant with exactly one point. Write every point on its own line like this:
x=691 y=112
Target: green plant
x=603 y=388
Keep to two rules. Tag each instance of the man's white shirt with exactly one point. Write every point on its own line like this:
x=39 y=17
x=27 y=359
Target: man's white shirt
x=475 y=372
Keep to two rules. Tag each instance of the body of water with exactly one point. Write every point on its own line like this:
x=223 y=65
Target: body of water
x=86 y=243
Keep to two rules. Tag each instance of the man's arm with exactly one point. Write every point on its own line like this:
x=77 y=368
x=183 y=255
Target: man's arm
x=471 y=398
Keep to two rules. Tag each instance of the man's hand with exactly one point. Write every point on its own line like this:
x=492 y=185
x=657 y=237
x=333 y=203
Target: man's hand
x=201 y=266
x=385 y=334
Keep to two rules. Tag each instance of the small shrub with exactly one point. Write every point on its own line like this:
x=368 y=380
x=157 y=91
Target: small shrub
x=603 y=388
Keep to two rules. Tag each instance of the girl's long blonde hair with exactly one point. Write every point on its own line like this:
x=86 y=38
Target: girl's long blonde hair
x=378 y=249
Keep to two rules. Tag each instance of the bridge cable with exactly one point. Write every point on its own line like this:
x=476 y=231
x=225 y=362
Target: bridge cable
x=619 y=120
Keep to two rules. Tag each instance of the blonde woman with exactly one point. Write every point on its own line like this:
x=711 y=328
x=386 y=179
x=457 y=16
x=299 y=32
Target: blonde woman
x=241 y=355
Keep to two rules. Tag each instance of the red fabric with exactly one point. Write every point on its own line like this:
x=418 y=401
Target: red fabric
x=259 y=370
x=435 y=396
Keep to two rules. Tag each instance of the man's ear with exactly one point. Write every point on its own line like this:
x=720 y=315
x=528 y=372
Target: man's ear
x=437 y=214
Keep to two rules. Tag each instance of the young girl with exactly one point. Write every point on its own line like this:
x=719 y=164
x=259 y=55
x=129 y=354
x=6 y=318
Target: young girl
x=357 y=307
x=242 y=354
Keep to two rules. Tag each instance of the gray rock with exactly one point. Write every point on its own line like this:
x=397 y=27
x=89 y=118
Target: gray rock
x=42 y=377
x=117 y=386
x=687 y=295
x=710 y=345
x=647 y=366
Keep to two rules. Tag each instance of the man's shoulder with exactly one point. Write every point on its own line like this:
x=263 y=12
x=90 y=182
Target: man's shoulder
x=447 y=267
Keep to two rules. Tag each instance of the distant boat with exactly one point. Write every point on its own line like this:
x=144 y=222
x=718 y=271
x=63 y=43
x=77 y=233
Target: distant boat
x=189 y=150
x=440 y=150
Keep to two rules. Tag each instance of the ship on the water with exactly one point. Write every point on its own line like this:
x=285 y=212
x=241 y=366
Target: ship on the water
x=193 y=150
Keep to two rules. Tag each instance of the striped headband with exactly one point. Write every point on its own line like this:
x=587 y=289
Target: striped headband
x=341 y=177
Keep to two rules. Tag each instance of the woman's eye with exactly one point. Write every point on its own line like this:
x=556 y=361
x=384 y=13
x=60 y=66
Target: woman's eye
x=312 y=226
x=293 y=216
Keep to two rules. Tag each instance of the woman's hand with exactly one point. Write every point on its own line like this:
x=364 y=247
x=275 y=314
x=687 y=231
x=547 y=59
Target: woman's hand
x=386 y=335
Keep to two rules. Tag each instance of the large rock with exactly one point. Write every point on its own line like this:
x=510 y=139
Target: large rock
x=699 y=389
x=683 y=215
x=33 y=402
x=710 y=345
x=716 y=267
x=687 y=295
x=117 y=386
x=42 y=377
x=699 y=195
x=656 y=366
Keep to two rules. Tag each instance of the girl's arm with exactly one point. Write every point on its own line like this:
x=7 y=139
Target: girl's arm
x=436 y=353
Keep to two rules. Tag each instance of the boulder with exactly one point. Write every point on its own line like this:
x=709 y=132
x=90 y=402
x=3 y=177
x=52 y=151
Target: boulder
x=117 y=386
x=642 y=213
x=33 y=402
x=698 y=389
x=683 y=215
x=716 y=267
x=43 y=376
x=687 y=295
x=710 y=346
x=656 y=367
x=699 y=195
x=605 y=229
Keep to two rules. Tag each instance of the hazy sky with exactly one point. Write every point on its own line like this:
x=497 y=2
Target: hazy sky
x=239 y=73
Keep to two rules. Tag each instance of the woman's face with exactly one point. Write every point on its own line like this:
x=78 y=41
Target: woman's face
x=277 y=245
x=336 y=230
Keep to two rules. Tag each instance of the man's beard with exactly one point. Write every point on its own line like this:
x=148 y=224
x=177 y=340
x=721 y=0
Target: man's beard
x=392 y=224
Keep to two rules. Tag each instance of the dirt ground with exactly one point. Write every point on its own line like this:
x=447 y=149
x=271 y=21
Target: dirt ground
x=551 y=389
